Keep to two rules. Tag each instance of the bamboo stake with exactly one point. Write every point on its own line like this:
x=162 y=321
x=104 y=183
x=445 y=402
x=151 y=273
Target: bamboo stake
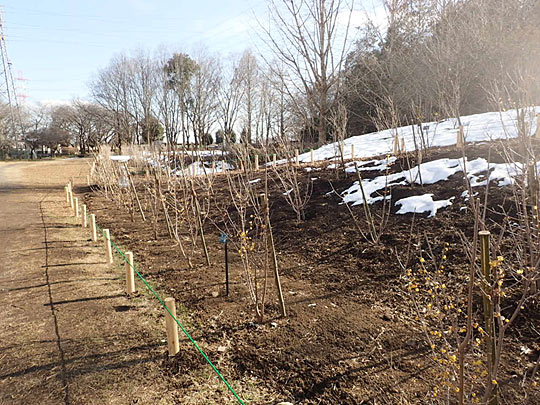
x=199 y=220
x=135 y=192
x=172 y=328
x=93 y=227
x=108 y=247
x=488 y=309
x=130 y=273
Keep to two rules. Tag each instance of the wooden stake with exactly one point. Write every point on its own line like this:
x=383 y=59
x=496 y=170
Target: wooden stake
x=71 y=202
x=66 y=189
x=402 y=146
x=342 y=148
x=274 y=257
x=88 y=180
x=352 y=150
x=274 y=157
x=130 y=273
x=311 y=156
x=256 y=162
x=296 y=158
x=76 y=202
x=460 y=141
x=396 y=144
x=84 y=219
x=108 y=246
x=93 y=227
x=172 y=328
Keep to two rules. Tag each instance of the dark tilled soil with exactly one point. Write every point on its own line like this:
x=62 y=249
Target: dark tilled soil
x=348 y=337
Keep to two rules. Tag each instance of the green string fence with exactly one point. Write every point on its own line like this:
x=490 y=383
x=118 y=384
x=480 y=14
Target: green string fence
x=173 y=317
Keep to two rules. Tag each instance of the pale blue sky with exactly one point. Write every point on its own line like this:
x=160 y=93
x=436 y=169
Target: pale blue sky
x=58 y=45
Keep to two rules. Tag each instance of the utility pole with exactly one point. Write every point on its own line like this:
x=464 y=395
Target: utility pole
x=8 y=95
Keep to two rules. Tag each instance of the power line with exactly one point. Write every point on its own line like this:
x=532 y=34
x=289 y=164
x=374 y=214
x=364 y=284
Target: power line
x=9 y=92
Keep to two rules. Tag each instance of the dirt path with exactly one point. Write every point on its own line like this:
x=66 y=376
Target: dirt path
x=68 y=334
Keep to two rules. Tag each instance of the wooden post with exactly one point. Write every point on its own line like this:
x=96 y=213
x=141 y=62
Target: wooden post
x=274 y=157
x=93 y=227
x=487 y=299
x=537 y=134
x=130 y=273
x=460 y=141
x=171 y=327
x=296 y=158
x=76 y=202
x=108 y=246
x=312 y=158
x=88 y=180
x=352 y=151
x=84 y=219
x=71 y=201
x=66 y=189
x=256 y=162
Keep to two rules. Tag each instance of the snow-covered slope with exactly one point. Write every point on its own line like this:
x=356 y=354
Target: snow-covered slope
x=478 y=127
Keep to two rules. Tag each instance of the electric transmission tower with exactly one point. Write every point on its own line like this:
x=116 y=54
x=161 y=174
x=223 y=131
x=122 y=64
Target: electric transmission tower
x=8 y=98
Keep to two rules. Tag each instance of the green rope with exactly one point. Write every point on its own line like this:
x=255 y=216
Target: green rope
x=173 y=317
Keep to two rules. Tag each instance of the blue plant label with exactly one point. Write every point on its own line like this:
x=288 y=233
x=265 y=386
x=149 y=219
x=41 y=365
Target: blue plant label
x=223 y=238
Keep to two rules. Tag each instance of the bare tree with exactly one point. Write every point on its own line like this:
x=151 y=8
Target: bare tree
x=230 y=96
x=110 y=89
x=308 y=38
x=248 y=74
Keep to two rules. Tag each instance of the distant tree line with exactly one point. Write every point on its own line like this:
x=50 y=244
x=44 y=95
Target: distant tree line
x=428 y=60
x=443 y=58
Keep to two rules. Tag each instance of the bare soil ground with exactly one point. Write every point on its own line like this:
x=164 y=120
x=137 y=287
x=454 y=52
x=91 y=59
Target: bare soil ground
x=72 y=336
x=68 y=335
x=348 y=338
